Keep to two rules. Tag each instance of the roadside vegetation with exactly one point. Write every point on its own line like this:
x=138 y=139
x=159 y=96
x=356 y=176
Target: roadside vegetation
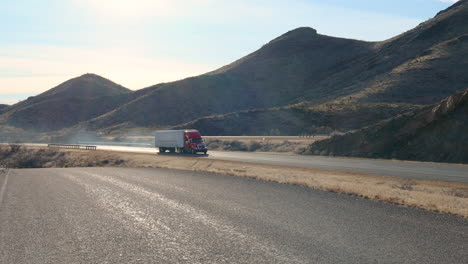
x=430 y=195
x=18 y=156
x=256 y=145
x=284 y=144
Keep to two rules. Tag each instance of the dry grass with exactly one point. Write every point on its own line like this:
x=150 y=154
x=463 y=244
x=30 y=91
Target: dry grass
x=430 y=195
x=17 y=156
x=272 y=139
x=261 y=144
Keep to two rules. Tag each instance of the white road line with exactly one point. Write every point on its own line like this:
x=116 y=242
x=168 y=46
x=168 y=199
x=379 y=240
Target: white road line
x=2 y=190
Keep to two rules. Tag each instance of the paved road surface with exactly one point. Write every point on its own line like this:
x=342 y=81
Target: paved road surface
x=117 y=215
x=393 y=168
x=414 y=170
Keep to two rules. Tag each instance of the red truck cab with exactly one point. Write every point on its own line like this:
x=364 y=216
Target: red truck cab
x=193 y=142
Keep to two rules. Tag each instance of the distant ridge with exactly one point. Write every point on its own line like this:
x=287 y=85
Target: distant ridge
x=296 y=120
x=3 y=107
x=88 y=86
x=78 y=99
x=286 y=71
x=302 y=68
x=299 y=81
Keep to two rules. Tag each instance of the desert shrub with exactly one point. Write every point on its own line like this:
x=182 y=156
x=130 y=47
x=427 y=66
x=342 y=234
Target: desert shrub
x=237 y=146
x=48 y=158
x=254 y=146
x=264 y=146
x=119 y=161
x=14 y=148
x=267 y=147
x=16 y=156
x=234 y=145
x=6 y=151
x=213 y=143
x=3 y=151
x=26 y=160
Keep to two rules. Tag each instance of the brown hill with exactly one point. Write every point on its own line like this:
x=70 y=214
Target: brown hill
x=87 y=86
x=297 y=120
x=3 y=108
x=435 y=133
x=69 y=103
x=302 y=80
x=421 y=66
x=276 y=75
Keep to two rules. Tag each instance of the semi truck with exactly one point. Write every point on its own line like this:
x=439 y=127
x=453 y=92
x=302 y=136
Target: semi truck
x=180 y=141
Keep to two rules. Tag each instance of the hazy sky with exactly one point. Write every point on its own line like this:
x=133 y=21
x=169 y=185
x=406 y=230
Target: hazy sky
x=139 y=43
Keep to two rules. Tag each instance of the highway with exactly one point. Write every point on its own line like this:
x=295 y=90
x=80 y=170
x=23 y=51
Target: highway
x=141 y=215
x=393 y=168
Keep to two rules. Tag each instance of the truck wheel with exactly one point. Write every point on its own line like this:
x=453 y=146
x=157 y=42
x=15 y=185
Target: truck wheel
x=193 y=151
x=204 y=152
x=161 y=150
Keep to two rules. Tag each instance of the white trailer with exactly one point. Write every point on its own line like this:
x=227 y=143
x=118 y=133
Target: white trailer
x=171 y=140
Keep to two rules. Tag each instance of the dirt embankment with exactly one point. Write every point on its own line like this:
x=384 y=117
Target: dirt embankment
x=429 y=195
x=256 y=145
x=289 y=144
x=17 y=156
x=435 y=133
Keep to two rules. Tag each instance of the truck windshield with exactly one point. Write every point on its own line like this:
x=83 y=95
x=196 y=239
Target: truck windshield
x=197 y=140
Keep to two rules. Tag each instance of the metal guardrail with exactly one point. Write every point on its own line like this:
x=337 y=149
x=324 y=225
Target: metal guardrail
x=112 y=143
x=314 y=135
x=71 y=146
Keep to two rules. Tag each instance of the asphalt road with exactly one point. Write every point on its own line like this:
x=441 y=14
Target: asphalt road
x=120 y=215
x=414 y=170
x=393 y=168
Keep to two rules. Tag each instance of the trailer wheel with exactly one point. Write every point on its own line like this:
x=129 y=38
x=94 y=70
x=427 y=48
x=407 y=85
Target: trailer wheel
x=161 y=150
x=204 y=152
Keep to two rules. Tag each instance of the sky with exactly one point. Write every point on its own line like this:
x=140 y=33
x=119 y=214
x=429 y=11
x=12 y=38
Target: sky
x=140 y=43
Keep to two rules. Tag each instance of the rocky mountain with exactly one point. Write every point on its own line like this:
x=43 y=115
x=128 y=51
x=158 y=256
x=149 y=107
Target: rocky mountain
x=423 y=65
x=300 y=81
x=434 y=133
x=302 y=67
x=3 y=108
x=67 y=104
x=296 y=120
x=278 y=74
x=86 y=86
